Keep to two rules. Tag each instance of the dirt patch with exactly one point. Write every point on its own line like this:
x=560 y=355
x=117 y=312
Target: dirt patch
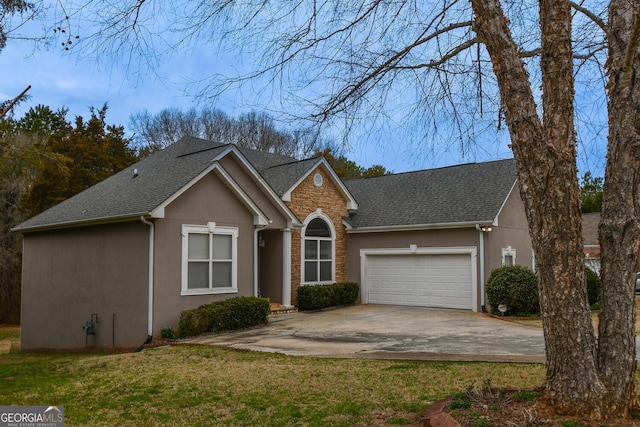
x=513 y=408
x=9 y=338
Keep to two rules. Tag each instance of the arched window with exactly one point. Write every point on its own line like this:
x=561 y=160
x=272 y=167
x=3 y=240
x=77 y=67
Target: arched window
x=318 y=251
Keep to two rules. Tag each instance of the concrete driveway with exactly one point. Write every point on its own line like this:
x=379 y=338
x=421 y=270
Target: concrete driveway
x=389 y=332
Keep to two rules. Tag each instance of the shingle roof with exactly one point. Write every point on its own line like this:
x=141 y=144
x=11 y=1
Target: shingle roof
x=158 y=178
x=466 y=193
x=282 y=177
x=590 y=223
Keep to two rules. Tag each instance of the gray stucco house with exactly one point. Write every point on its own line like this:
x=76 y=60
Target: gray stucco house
x=200 y=221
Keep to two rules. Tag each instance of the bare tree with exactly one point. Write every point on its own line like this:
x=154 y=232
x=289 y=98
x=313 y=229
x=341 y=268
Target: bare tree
x=250 y=130
x=16 y=14
x=460 y=67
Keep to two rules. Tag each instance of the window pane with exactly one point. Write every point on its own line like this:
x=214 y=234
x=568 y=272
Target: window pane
x=310 y=271
x=198 y=275
x=325 y=249
x=317 y=228
x=325 y=271
x=198 y=246
x=508 y=260
x=221 y=246
x=310 y=249
x=221 y=275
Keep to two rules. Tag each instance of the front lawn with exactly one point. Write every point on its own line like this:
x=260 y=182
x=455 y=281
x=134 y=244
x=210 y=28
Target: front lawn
x=198 y=385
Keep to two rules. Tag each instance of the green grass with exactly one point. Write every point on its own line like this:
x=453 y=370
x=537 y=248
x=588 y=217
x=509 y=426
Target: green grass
x=198 y=386
x=529 y=396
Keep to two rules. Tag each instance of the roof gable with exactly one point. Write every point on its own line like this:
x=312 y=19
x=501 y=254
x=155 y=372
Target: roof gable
x=287 y=175
x=284 y=178
x=145 y=188
x=134 y=191
x=464 y=194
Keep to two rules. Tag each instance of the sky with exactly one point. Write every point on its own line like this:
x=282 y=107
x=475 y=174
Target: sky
x=61 y=79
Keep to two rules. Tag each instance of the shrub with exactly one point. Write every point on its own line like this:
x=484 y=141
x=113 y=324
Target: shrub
x=346 y=293
x=167 y=333
x=593 y=285
x=234 y=313
x=314 y=297
x=516 y=287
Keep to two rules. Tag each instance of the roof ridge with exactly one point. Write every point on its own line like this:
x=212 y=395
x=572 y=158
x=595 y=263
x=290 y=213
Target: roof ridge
x=431 y=169
x=202 y=150
x=290 y=163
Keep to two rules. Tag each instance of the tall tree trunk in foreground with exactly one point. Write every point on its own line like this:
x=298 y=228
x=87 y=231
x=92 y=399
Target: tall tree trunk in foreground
x=546 y=162
x=619 y=231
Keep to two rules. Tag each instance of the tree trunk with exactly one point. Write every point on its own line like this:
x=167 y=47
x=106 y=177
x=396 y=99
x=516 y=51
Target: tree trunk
x=572 y=383
x=546 y=162
x=619 y=231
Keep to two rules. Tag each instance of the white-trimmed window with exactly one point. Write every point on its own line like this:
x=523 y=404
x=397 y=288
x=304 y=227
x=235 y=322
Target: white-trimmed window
x=209 y=259
x=318 y=247
x=508 y=256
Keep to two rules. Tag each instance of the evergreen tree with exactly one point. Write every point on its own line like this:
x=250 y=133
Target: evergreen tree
x=348 y=169
x=591 y=193
x=94 y=151
x=44 y=159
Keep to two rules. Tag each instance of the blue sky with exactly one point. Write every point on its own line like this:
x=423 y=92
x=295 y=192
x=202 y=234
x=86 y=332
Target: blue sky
x=61 y=79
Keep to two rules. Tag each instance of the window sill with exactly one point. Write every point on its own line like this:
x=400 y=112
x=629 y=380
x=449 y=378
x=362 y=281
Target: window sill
x=209 y=291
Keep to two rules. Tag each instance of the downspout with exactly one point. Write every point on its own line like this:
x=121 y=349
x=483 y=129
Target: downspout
x=151 y=262
x=481 y=232
x=255 y=259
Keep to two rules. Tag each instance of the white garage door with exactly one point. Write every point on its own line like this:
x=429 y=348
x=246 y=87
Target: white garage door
x=433 y=280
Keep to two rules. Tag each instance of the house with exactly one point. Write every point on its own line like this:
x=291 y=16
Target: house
x=591 y=244
x=199 y=222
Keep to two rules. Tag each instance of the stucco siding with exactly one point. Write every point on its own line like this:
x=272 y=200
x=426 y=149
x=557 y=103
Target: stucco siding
x=270 y=266
x=512 y=231
x=70 y=274
x=255 y=192
x=209 y=200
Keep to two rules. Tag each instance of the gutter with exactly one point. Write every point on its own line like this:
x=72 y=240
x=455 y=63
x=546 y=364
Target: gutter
x=78 y=223
x=418 y=227
x=151 y=265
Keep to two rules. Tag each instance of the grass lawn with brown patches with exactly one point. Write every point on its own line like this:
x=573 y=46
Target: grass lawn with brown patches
x=9 y=335
x=199 y=385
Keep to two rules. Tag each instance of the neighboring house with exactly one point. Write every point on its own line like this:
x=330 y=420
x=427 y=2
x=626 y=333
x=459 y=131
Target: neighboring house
x=590 y=223
x=199 y=222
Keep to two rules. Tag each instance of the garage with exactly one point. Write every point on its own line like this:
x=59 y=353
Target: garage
x=420 y=277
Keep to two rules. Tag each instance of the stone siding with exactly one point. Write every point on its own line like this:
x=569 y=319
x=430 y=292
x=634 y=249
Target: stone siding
x=306 y=199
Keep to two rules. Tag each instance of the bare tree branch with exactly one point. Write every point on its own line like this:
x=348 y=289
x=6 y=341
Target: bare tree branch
x=435 y=64
x=392 y=64
x=595 y=18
